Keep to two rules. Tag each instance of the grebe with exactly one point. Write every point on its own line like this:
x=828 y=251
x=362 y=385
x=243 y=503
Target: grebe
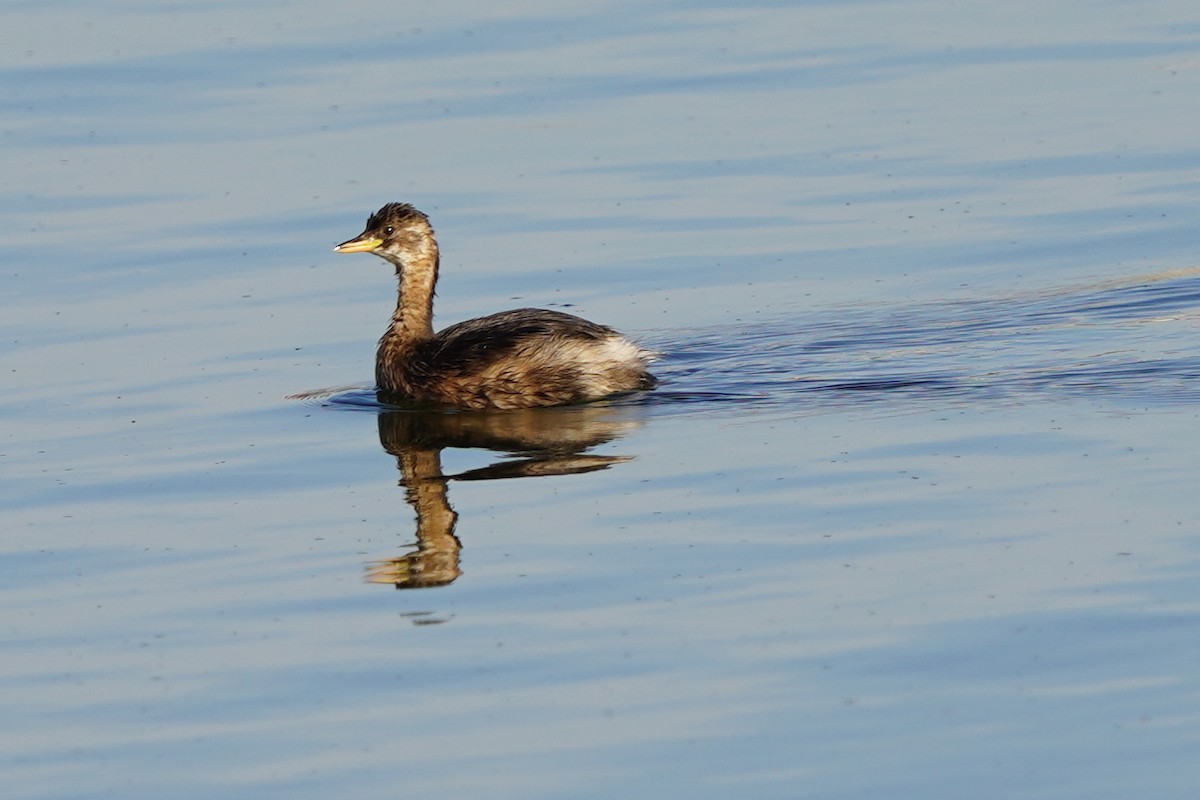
x=515 y=359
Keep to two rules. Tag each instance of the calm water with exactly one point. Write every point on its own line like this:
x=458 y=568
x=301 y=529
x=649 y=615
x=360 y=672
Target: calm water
x=912 y=515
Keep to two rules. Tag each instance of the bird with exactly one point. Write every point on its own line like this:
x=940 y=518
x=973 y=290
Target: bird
x=524 y=358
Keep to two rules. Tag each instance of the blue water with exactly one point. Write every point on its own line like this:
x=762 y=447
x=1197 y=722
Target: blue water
x=911 y=515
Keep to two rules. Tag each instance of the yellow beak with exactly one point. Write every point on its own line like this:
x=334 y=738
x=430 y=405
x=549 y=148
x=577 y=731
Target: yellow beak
x=360 y=244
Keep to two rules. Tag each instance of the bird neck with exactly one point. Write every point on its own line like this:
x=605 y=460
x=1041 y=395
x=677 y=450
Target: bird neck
x=417 y=277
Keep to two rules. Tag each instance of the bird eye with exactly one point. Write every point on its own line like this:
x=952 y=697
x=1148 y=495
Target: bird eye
x=389 y=230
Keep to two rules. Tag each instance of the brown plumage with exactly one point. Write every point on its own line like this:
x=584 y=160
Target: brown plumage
x=515 y=359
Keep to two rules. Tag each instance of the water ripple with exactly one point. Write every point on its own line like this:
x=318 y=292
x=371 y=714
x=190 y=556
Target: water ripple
x=1131 y=339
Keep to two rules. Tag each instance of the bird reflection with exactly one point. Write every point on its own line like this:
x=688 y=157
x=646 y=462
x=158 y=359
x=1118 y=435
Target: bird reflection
x=535 y=442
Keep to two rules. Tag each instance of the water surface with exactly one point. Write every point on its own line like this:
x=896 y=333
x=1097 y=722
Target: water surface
x=913 y=513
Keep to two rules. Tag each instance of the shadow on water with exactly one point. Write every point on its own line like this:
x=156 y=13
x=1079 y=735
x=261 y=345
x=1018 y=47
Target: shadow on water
x=533 y=443
x=1132 y=340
